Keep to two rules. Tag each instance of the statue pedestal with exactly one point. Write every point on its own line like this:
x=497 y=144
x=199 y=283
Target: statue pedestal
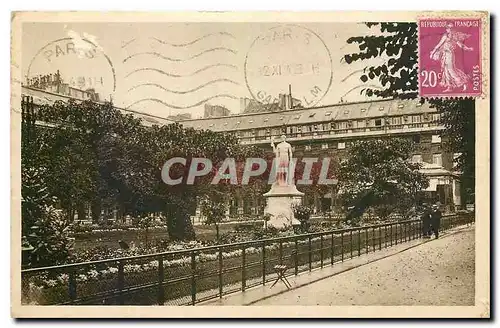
x=280 y=200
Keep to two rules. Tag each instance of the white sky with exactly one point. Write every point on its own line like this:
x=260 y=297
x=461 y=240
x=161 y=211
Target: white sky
x=199 y=61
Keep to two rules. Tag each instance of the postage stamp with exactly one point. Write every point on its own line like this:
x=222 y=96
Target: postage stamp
x=449 y=57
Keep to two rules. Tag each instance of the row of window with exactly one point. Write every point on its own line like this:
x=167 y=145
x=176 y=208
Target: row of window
x=342 y=145
x=436 y=159
x=344 y=125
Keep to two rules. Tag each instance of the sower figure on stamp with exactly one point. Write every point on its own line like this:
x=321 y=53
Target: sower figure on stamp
x=426 y=221
x=435 y=219
x=444 y=51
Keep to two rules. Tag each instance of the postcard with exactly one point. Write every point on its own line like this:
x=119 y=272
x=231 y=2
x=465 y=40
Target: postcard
x=250 y=165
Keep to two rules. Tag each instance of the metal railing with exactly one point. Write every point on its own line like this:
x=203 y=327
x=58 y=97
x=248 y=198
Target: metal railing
x=187 y=277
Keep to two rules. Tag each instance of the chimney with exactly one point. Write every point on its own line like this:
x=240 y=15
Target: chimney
x=282 y=101
x=243 y=106
x=287 y=102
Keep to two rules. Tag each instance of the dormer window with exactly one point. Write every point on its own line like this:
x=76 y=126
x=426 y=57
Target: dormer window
x=251 y=121
x=211 y=125
x=346 y=112
x=312 y=114
x=225 y=123
x=238 y=122
x=381 y=108
x=297 y=117
x=363 y=110
x=266 y=119
x=328 y=113
x=401 y=106
x=282 y=117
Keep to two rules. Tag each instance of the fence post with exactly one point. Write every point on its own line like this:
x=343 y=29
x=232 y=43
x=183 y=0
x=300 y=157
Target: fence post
x=296 y=257
x=350 y=242
x=333 y=250
x=281 y=252
x=405 y=230
x=390 y=232
x=263 y=263
x=373 y=238
x=310 y=254
x=220 y=271
x=396 y=235
x=161 y=276
x=121 y=283
x=193 y=278
x=342 y=244
x=321 y=252
x=72 y=285
x=379 y=238
x=359 y=242
x=366 y=240
x=385 y=236
x=243 y=273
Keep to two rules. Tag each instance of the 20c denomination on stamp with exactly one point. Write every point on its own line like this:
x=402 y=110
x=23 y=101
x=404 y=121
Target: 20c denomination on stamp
x=449 y=57
x=288 y=55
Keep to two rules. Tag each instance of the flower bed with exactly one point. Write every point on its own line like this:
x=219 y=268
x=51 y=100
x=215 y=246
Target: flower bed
x=95 y=229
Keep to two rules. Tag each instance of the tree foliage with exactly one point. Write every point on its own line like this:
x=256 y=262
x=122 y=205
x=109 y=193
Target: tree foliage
x=302 y=214
x=377 y=174
x=50 y=238
x=214 y=211
x=397 y=44
x=91 y=153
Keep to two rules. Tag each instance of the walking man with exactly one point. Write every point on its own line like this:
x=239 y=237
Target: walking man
x=426 y=221
x=435 y=219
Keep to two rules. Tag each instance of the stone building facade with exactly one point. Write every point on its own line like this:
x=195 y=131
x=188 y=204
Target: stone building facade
x=330 y=130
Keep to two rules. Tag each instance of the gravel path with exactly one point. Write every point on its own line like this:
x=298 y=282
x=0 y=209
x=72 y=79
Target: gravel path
x=440 y=272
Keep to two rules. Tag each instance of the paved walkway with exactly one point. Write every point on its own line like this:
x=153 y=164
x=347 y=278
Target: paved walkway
x=419 y=272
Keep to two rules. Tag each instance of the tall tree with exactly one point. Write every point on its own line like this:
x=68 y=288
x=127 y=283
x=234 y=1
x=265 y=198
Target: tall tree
x=397 y=44
x=377 y=174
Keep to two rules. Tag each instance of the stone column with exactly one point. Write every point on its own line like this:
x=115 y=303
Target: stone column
x=456 y=193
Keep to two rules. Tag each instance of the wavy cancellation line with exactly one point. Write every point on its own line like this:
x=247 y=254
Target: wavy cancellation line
x=194 y=41
x=182 y=92
x=159 y=55
x=180 y=107
x=151 y=69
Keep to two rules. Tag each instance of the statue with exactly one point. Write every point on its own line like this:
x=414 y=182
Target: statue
x=283 y=162
x=283 y=195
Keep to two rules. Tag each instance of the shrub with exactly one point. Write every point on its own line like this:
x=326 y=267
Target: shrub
x=303 y=214
x=50 y=238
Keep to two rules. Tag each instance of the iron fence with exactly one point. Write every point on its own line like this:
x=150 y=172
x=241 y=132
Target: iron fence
x=187 y=277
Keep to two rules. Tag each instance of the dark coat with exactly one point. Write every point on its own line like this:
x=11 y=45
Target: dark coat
x=436 y=219
x=426 y=221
